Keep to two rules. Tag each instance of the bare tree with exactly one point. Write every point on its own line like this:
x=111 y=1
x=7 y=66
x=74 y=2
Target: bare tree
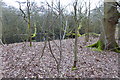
x=27 y=18
x=88 y=23
x=65 y=28
x=76 y=35
x=29 y=21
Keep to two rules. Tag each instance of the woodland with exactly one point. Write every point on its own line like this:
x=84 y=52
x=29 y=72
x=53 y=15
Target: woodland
x=51 y=40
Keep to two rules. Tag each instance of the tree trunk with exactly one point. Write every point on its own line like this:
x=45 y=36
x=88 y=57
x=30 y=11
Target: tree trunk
x=88 y=25
x=107 y=39
x=29 y=22
x=119 y=31
x=0 y=23
x=76 y=36
x=111 y=16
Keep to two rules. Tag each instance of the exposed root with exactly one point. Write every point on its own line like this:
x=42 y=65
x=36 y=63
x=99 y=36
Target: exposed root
x=100 y=47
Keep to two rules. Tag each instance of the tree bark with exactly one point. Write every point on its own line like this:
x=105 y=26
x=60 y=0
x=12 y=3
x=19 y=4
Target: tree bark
x=88 y=24
x=107 y=39
x=111 y=16
x=29 y=22
x=76 y=36
x=118 y=31
x=0 y=23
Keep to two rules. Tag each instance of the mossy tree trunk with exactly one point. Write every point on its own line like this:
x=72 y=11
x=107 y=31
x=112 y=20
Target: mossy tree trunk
x=0 y=23
x=29 y=22
x=111 y=15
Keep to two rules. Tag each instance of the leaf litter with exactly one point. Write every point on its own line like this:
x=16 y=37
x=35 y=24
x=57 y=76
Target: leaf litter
x=20 y=60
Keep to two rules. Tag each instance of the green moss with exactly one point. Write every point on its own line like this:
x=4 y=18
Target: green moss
x=74 y=68
x=33 y=40
x=96 y=49
x=98 y=46
x=72 y=34
x=94 y=34
x=117 y=49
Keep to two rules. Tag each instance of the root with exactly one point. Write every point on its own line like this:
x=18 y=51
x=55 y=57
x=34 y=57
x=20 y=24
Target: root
x=97 y=45
x=100 y=47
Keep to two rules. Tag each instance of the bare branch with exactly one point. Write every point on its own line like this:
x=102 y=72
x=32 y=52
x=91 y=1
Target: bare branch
x=52 y=52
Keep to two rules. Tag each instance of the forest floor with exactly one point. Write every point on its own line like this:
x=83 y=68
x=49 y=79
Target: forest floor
x=20 y=60
x=1 y=66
